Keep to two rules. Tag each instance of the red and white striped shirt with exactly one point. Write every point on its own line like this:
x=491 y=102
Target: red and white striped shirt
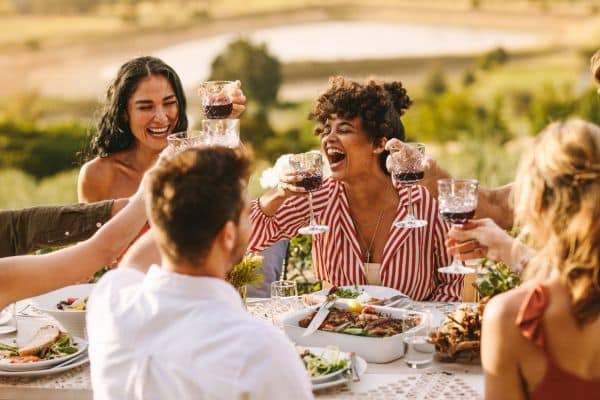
x=410 y=257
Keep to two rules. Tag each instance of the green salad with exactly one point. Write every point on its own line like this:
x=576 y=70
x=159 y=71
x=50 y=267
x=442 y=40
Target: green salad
x=328 y=362
x=347 y=293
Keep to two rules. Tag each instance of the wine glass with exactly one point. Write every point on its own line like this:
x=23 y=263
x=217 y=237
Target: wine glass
x=184 y=140
x=457 y=202
x=216 y=99
x=222 y=132
x=310 y=167
x=407 y=169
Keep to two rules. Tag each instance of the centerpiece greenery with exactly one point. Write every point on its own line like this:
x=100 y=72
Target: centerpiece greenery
x=246 y=272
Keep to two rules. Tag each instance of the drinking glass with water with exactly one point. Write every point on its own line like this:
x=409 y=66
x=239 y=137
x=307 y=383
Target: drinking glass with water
x=418 y=352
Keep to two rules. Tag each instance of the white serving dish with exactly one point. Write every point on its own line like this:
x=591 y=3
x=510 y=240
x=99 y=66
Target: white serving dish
x=72 y=321
x=372 y=349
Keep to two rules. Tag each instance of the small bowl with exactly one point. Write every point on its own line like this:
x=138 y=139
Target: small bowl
x=71 y=321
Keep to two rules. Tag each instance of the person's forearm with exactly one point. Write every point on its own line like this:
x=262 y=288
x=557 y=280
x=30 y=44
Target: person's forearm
x=270 y=202
x=27 y=276
x=118 y=205
x=495 y=204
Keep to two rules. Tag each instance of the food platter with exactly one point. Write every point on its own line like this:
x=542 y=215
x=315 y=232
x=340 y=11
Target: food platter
x=372 y=349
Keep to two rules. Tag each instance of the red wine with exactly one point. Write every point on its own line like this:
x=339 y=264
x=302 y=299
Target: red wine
x=458 y=217
x=409 y=177
x=218 y=111
x=311 y=182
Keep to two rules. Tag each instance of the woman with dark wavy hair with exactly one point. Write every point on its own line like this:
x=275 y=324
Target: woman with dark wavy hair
x=144 y=104
x=358 y=201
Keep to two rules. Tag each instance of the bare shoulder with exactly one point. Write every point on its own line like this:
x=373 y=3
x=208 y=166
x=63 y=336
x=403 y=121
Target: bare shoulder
x=94 y=178
x=500 y=334
x=504 y=307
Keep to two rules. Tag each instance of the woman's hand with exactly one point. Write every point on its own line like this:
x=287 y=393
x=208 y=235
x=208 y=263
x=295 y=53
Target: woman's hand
x=480 y=238
x=430 y=167
x=288 y=185
x=237 y=99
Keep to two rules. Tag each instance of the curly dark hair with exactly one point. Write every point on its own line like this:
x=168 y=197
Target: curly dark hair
x=113 y=133
x=378 y=105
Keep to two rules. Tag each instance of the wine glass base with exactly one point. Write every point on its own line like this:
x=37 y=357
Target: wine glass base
x=411 y=223
x=456 y=269
x=313 y=229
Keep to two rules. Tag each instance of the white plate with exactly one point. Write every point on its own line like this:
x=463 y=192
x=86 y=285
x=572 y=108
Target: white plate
x=4 y=329
x=6 y=315
x=39 y=365
x=47 y=371
x=361 y=368
x=319 y=351
x=379 y=292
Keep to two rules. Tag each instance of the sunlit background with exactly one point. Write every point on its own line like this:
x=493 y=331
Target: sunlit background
x=486 y=75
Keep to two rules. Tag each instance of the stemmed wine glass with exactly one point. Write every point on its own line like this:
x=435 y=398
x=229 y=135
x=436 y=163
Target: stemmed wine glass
x=458 y=201
x=407 y=168
x=310 y=167
x=180 y=141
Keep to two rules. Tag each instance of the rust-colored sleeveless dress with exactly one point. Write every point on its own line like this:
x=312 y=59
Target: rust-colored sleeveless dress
x=557 y=383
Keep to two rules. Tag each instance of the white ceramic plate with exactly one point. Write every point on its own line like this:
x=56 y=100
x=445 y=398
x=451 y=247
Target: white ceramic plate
x=40 y=365
x=5 y=315
x=320 y=351
x=378 y=292
x=47 y=371
x=361 y=368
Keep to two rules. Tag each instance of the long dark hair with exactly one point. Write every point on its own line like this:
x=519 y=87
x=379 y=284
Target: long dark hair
x=113 y=133
x=379 y=105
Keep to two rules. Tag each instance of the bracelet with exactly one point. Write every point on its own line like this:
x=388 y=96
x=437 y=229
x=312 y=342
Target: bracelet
x=524 y=260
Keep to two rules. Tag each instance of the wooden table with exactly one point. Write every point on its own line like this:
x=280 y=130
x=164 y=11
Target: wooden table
x=394 y=380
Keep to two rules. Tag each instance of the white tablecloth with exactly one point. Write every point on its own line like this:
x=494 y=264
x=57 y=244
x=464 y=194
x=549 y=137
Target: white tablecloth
x=394 y=380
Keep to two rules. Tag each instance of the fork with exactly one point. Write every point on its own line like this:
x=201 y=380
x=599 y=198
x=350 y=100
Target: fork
x=355 y=376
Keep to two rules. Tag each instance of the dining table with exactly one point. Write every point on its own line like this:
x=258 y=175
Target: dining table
x=393 y=380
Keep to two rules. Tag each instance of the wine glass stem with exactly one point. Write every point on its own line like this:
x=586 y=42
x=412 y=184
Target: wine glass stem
x=409 y=207
x=310 y=207
x=455 y=260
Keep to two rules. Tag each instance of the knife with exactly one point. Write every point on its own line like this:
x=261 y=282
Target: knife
x=322 y=314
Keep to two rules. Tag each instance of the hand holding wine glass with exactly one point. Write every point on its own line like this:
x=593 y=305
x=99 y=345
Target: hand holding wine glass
x=457 y=203
x=308 y=168
x=406 y=167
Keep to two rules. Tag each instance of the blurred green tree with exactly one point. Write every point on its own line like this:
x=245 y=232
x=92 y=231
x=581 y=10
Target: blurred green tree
x=254 y=66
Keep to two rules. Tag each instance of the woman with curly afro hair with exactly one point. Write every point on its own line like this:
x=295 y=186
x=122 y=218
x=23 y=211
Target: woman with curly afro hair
x=358 y=201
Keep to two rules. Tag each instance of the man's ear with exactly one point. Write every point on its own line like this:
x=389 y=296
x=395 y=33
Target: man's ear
x=379 y=146
x=228 y=235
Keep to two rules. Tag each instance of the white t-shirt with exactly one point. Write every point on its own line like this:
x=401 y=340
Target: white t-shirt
x=165 y=335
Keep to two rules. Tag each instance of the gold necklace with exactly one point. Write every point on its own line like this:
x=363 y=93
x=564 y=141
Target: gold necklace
x=360 y=237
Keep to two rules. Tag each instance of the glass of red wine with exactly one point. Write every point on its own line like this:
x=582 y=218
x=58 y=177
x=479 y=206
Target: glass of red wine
x=457 y=202
x=216 y=100
x=407 y=169
x=310 y=167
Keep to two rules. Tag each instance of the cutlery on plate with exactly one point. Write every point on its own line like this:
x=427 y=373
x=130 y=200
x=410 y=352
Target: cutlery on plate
x=401 y=300
x=355 y=376
x=322 y=314
x=71 y=360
